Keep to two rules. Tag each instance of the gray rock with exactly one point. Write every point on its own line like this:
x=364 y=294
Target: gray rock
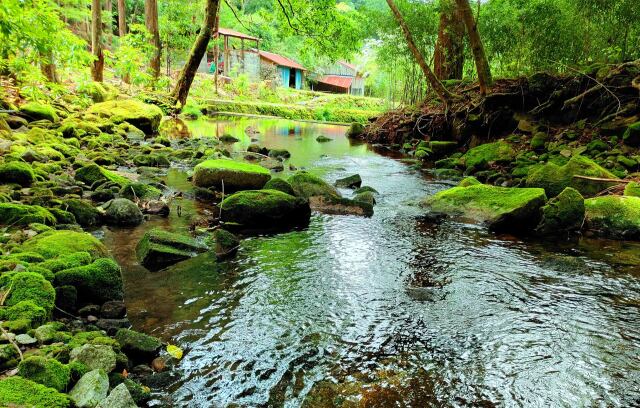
x=120 y=397
x=122 y=212
x=91 y=389
x=114 y=309
x=25 y=340
x=353 y=181
x=95 y=356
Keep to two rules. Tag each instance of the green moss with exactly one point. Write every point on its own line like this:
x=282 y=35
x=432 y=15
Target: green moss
x=554 y=178
x=93 y=337
x=307 y=185
x=77 y=370
x=614 y=216
x=141 y=115
x=62 y=217
x=39 y=111
x=631 y=136
x=271 y=209
x=499 y=207
x=17 y=172
x=67 y=261
x=235 y=175
x=632 y=189
x=20 y=214
x=56 y=243
x=27 y=257
x=74 y=128
x=28 y=286
x=20 y=392
x=481 y=156
x=280 y=185
x=98 y=282
x=565 y=212
x=356 y=129
x=48 y=372
x=151 y=160
x=539 y=140
x=137 y=344
x=140 y=191
x=468 y=181
x=159 y=248
x=25 y=311
x=93 y=173
x=83 y=212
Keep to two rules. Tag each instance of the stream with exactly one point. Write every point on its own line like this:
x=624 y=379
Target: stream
x=391 y=310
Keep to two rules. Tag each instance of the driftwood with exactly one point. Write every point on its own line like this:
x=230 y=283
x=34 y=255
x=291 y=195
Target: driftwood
x=606 y=180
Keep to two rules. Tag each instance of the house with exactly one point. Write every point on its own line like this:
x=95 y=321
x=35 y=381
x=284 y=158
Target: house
x=342 y=77
x=282 y=70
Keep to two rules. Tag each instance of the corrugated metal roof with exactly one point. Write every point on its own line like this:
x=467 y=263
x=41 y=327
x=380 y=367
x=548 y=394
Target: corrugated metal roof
x=337 y=81
x=349 y=65
x=280 y=60
x=233 y=33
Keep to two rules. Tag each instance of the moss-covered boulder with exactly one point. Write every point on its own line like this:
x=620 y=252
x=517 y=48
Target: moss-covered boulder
x=46 y=371
x=57 y=243
x=17 y=172
x=138 y=346
x=26 y=314
x=21 y=392
x=141 y=115
x=92 y=173
x=67 y=261
x=342 y=206
x=353 y=181
x=235 y=175
x=83 y=212
x=481 y=156
x=98 y=282
x=92 y=388
x=613 y=216
x=158 y=249
x=265 y=209
x=631 y=136
x=140 y=191
x=554 y=179
x=39 y=111
x=28 y=286
x=122 y=212
x=563 y=213
x=280 y=185
x=95 y=356
x=501 y=208
x=224 y=243
x=632 y=189
x=20 y=214
x=307 y=185
x=355 y=130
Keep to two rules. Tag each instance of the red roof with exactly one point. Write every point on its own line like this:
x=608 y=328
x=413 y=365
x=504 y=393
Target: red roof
x=237 y=34
x=337 y=81
x=349 y=65
x=280 y=60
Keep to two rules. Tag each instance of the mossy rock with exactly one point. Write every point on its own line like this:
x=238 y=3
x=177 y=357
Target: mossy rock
x=141 y=115
x=158 y=249
x=224 y=243
x=355 y=130
x=341 y=206
x=563 y=213
x=235 y=175
x=500 y=208
x=98 y=92
x=481 y=156
x=39 y=111
x=56 y=243
x=441 y=148
x=17 y=172
x=632 y=189
x=140 y=191
x=67 y=261
x=20 y=214
x=27 y=312
x=151 y=160
x=46 y=371
x=614 y=216
x=8 y=357
x=307 y=185
x=122 y=212
x=98 y=282
x=280 y=185
x=468 y=181
x=354 y=181
x=21 y=392
x=92 y=173
x=539 y=140
x=138 y=346
x=631 y=136
x=265 y=210
x=28 y=286
x=75 y=128
x=554 y=178
x=84 y=213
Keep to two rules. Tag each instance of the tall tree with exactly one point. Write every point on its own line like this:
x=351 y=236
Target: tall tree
x=122 y=18
x=151 y=22
x=442 y=92
x=482 y=64
x=181 y=90
x=448 y=57
x=96 y=41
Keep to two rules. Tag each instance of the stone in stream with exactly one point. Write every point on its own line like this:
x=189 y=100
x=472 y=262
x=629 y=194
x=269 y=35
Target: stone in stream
x=53 y=244
x=45 y=371
x=323 y=139
x=122 y=212
x=235 y=175
x=120 y=397
x=353 y=181
x=99 y=281
x=158 y=249
x=95 y=356
x=264 y=210
x=500 y=208
x=139 y=347
x=280 y=185
x=613 y=216
x=224 y=243
x=564 y=212
x=91 y=389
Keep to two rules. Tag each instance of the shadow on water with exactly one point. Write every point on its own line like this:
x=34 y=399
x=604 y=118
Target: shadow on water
x=391 y=310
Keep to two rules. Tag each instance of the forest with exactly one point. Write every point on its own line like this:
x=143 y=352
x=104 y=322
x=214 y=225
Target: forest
x=295 y=203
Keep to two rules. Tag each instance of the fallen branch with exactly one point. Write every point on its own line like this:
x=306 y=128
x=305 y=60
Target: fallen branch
x=607 y=180
x=10 y=340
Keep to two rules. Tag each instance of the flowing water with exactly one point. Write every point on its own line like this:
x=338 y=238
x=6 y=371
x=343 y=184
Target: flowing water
x=390 y=310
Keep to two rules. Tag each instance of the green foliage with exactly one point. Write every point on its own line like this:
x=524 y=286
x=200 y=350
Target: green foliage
x=131 y=57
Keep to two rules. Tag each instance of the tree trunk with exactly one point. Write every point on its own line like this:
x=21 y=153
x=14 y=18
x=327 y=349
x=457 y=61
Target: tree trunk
x=442 y=92
x=151 y=22
x=108 y=7
x=122 y=18
x=48 y=68
x=96 y=45
x=181 y=91
x=482 y=64
x=449 y=52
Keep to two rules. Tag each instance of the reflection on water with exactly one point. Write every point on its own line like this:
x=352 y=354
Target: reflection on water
x=363 y=312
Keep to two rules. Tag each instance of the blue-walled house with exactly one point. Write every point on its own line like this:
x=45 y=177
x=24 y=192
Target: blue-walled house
x=286 y=72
